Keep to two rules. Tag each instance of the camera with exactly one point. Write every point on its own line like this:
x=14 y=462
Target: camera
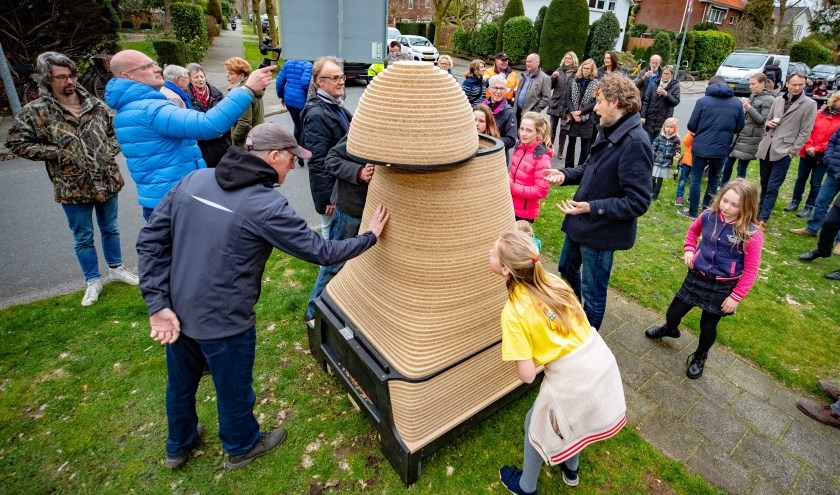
x=266 y=49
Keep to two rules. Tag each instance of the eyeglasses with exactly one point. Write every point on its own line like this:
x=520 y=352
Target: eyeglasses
x=334 y=79
x=498 y=89
x=143 y=67
x=63 y=77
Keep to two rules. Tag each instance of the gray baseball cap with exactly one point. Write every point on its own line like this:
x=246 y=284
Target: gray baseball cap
x=273 y=136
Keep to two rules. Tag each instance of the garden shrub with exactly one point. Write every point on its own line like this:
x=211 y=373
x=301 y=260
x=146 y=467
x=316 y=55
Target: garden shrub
x=412 y=28
x=513 y=9
x=711 y=48
x=637 y=30
x=213 y=28
x=705 y=26
x=604 y=35
x=170 y=51
x=127 y=24
x=484 y=40
x=538 y=24
x=565 y=29
x=810 y=52
x=662 y=46
x=145 y=25
x=518 y=34
x=462 y=40
x=189 y=26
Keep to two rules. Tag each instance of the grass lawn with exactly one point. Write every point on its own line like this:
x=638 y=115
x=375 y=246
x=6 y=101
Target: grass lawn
x=789 y=323
x=251 y=42
x=82 y=411
x=141 y=46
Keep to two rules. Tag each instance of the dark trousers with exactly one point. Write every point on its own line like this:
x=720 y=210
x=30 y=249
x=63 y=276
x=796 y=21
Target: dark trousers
x=295 y=114
x=729 y=164
x=560 y=141
x=708 y=323
x=813 y=166
x=231 y=361
x=698 y=163
x=772 y=176
x=830 y=228
x=657 y=186
x=570 y=150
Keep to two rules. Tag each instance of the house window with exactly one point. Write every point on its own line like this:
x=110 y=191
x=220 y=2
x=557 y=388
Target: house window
x=410 y=4
x=428 y=4
x=716 y=15
x=596 y=4
x=797 y=32
x=611 y=6
x=733 y=19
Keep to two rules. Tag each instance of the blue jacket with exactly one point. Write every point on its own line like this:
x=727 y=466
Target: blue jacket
x=831 y=158
x=158 y=139
x=615 y=181
x=716 y=118
x=293 y=83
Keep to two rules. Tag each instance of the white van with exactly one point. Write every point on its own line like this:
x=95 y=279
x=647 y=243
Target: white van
x=740 y=65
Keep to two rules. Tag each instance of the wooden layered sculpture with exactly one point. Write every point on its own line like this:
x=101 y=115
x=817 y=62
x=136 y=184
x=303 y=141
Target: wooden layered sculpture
x=411 y=327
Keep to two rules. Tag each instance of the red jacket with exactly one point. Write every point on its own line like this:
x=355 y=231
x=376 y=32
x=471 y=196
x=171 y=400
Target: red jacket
x=824 y=127
x=527 y=183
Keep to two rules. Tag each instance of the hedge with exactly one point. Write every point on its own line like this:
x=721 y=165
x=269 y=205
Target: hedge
x=170 y=52
x=688 y=49
x=711 y=48
x=810 y=52
x=538 y=24
x=462 y=40
x=214 y=8
x=430 y=32
x=190 y=27
x=662 y=46
x=565 y=29
x=412 y=28
x=517 y=38
x=484 y=40
x=513 y=9
x=637 y=30
x=127 y=24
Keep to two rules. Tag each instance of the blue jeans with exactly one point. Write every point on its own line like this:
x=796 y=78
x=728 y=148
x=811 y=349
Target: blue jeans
x=685 y=172
x=698 y=163
x=147 y=213
x=813 y=166
x=727 y=168
x=231 y=361
x=591 y=289
x=830 y=188
x=80 y=219
x=772 y=177
x=343 y=226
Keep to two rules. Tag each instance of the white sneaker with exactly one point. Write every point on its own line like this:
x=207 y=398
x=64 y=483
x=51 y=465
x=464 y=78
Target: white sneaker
x=94 y=288
x=120 y=274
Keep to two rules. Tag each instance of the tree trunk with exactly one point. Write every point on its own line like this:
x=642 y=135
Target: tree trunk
x=273 y=30
x=167 y=19
x=441 y=6
x=255 y=8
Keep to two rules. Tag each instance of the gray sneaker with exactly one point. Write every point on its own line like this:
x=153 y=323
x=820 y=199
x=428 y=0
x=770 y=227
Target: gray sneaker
x=176 y=462
x=120 y=274
x=94 y=288
x=267 y=442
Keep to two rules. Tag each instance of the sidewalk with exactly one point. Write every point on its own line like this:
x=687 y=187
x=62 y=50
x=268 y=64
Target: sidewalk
x=735 y=426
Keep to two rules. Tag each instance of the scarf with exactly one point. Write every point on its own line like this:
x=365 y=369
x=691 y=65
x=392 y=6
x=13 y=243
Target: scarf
x=329 y=99
x=336 y=107
x=178 y=91
x=581 y=100
x=203 y=98
x=495 y=108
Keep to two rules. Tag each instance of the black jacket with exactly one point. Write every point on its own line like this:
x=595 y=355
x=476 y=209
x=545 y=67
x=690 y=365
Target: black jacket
x=212 y=150
x=559 y=87
x=715 y=120
x=204 y=250
x=321 y=131
x=655 y=108
x=350 y=193
x=615 y=181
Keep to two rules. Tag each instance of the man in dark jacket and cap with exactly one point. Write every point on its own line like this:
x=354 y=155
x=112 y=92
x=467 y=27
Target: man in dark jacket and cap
x=201 y=260
x=715 y=120
x=614 y=192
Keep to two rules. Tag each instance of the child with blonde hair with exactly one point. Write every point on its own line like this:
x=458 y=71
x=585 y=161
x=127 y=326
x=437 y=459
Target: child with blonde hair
x=544 y=324
x=665 y=147
x=533 y=155
x=722 y=251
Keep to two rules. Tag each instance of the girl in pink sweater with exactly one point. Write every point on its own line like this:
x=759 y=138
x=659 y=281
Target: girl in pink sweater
x=533 y=155
x=722 y=251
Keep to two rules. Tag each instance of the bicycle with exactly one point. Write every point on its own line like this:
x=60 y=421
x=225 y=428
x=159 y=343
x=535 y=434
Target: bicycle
x=685 y=78
x=97 y=74
x=22 y=72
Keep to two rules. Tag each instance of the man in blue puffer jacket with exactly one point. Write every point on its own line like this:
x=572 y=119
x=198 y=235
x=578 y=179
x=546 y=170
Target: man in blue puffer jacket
x=157 y=138
x=292 y=85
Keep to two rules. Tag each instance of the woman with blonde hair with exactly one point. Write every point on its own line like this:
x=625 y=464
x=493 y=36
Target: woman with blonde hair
x=238 y=69
x=445 y=63
x=560 y=81
x=580 y=101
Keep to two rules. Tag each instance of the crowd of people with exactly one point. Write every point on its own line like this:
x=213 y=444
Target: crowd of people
x=205 y=165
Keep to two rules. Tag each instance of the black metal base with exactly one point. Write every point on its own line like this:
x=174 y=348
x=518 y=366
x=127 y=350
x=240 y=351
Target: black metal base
x=365 y=374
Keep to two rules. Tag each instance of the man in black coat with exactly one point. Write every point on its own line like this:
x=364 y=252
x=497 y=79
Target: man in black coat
x=614 y=192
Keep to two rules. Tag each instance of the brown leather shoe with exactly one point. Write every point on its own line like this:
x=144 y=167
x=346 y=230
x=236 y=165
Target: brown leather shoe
x=829 y=390
x=819 y=412
x=803 y=231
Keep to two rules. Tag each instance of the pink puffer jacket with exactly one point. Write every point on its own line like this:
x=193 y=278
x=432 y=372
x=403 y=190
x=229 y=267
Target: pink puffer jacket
x=526 y=178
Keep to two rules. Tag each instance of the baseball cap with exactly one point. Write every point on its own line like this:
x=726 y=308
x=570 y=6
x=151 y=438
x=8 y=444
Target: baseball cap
x=273 y=136
x=501 y=56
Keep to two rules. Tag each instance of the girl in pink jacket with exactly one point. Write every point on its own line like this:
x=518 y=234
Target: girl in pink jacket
x=533 y=155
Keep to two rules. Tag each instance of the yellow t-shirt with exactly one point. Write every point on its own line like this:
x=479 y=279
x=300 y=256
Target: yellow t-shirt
x=527 y=334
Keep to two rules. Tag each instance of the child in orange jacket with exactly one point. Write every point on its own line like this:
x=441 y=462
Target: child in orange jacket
x=684 y=168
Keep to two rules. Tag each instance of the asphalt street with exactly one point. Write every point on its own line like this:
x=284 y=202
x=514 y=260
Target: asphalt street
x=36 y=246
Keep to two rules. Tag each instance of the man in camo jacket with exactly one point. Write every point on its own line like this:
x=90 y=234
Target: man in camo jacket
x=73 y=133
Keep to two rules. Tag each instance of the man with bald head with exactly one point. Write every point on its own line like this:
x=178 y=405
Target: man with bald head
x=534 y=88
x=157 y=138
x=651 y=77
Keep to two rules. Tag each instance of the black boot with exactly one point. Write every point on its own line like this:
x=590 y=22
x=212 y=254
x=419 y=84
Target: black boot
x=794 y=205
x=695 y=363
x=657 y=332
x=806 y=212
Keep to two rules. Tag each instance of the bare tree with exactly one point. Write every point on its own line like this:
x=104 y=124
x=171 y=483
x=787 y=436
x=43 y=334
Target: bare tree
x=441 y=6
x=780 y=22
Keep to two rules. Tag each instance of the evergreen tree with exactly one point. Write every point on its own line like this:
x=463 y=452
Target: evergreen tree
x=565 y=28
x=760 y=13
x=514 y=9
x=214 y=9
x=604 y=33
x=538 y=24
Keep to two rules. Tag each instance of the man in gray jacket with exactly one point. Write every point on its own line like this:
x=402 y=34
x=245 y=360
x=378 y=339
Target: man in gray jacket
x=201 y=260
x=534 y=88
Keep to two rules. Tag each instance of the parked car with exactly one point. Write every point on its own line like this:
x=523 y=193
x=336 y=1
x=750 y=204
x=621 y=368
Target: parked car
x=741 y=64
x=798 y=67
x=420 y=48
x=827 y=73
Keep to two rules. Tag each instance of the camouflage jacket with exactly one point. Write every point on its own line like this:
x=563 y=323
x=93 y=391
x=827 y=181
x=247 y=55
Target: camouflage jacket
x=78 y=152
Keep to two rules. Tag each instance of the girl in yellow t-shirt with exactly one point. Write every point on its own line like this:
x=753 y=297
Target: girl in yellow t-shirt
x=581 y=398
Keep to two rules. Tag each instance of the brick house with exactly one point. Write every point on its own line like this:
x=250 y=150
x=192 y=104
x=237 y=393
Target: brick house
x=410 y=11
x=667 y=14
